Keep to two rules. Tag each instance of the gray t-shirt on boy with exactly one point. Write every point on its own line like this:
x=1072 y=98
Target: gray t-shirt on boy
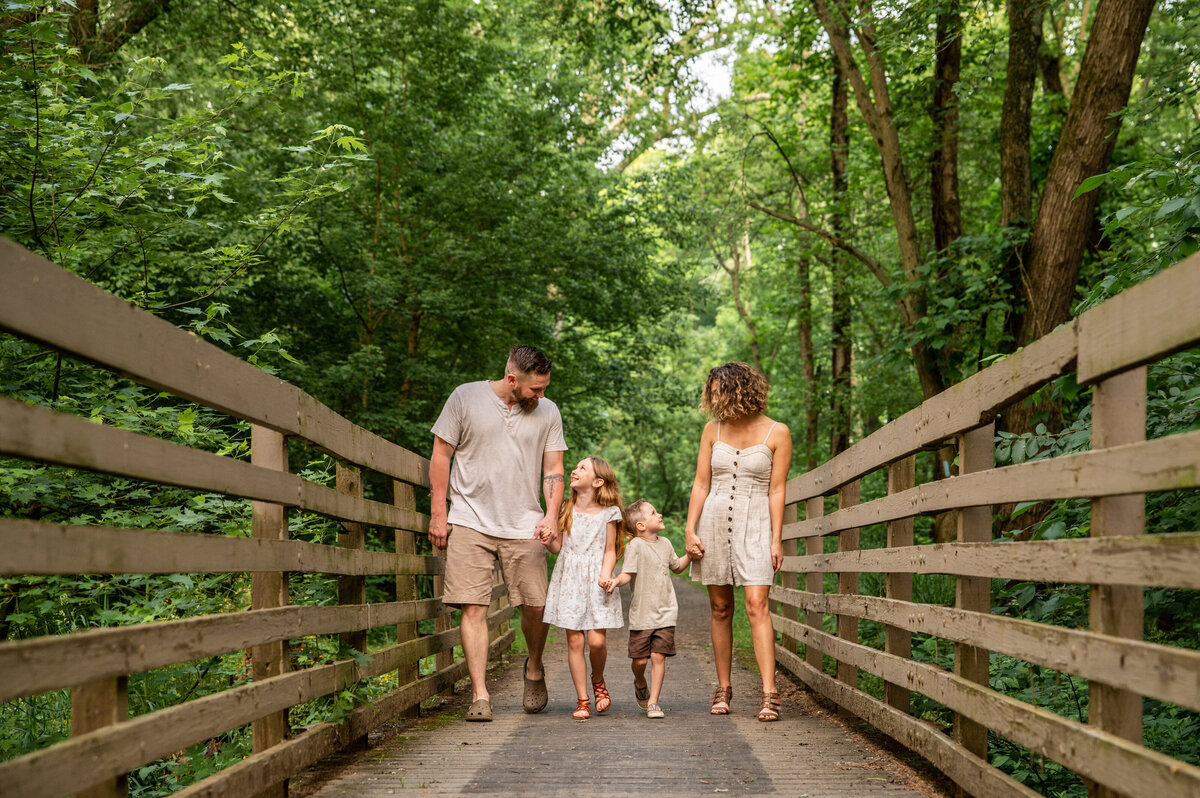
x=653 y=605
x=496 y=474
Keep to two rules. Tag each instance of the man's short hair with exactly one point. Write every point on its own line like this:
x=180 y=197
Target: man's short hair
x=528 y=360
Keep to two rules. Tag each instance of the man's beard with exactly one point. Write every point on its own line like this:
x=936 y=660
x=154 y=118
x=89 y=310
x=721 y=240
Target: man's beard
x=528 y=405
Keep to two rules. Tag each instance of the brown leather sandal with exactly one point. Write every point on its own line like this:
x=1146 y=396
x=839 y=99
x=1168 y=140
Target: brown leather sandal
x=720 y=700
x=583 y=710
x=603 y=699
x=771 y=704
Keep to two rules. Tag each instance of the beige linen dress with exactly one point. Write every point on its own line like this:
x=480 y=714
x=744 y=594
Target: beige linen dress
x=735 y=523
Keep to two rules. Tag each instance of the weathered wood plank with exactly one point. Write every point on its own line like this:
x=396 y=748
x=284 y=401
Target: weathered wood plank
x=1105 y=758
x=1169 y=560
x=41 y=434
x=352 y=589
x=973 y=593
x=48 y=663
x=1118 y=417
x=1168 y=673
x=974 y=401
x=902 y=475
x=968 y=771
x=97 y=705
x=97 y=326
x=786 y=578
x=294 y=755
x=1141 y=324
x=847 y=583
x=814 y=582
x=33 y=547
x=1171 y=463
x=405 y=543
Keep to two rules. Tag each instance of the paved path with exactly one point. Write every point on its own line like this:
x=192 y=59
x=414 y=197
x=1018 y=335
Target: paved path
x=809 y=752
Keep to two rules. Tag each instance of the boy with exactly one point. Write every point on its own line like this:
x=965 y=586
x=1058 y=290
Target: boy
x=653 y=611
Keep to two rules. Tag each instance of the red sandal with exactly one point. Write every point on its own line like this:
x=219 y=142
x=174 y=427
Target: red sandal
x=601 y=696
x=583 y=711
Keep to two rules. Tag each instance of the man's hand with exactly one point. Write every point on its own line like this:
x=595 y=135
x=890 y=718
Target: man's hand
x=439 y=533
x=546 y=530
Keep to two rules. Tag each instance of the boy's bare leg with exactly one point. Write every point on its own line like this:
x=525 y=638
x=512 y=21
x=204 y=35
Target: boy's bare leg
x=575 y=659
x=720 y=601
x=762 y=633
x=639 y=671
x=598 y=653
x=658 y=670
x=535 y=631
x=475 y=647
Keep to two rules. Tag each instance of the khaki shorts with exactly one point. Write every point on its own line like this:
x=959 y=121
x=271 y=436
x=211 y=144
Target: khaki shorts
x=470 y=561
x=644 y=642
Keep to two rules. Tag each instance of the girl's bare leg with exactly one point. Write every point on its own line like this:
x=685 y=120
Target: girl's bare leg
x=598 y=652
x=720 y=601
x=575 y=659
x=762 y=633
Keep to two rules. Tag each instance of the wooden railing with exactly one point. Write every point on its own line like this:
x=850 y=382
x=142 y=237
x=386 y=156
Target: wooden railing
x=43 y=303
x=1108 y=348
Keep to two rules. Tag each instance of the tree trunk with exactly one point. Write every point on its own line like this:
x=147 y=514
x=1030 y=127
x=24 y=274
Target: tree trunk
x=842 y=353
x=808 y=366
x=1084 y=148
x=947 y=209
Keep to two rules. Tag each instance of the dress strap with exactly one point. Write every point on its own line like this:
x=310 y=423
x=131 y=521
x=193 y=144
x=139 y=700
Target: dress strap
x=772 y=429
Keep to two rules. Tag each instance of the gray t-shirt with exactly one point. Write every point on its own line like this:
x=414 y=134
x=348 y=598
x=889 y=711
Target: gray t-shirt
x=653 y=605
x=496 y=473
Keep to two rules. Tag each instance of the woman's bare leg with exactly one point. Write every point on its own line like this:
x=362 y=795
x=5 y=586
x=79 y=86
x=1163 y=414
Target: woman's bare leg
x=762 y=633
x=720 y=601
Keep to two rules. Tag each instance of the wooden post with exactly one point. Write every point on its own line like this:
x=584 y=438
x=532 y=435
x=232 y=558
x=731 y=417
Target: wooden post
x=902 y=475
x=1118 y=417
x=814 y=582
x=96 y=705
x=406 y=585
x=268 y=590
x=847 y=625
x=352 y=589
x=976 y=453
x=789 y=578
x=445 y=657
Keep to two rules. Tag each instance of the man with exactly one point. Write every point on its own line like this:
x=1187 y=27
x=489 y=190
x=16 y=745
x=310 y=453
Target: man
x=502 y=435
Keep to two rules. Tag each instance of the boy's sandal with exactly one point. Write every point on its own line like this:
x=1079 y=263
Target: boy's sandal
x=603 y=699
x=655 y=711
x=480 y=711
x=642 y=694
x=770 y=707
x=583 y=711
x=720 y=700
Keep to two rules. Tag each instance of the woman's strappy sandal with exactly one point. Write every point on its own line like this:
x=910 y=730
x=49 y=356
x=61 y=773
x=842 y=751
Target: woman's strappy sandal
x=770 y=707
x=601 y=696
x=583 y=710
x=720 y=700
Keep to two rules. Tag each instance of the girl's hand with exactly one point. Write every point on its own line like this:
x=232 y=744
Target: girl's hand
x=776 y=554
x=695 y=547
x=606 y=584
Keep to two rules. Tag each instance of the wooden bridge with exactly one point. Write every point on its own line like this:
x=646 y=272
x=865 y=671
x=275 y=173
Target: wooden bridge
x=1107 y=348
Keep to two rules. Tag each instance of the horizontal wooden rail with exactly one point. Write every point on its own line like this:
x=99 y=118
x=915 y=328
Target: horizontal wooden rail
x=1157 y=560
x=38 y=433
x=1107 y=759
x=94 y=325
x=32 y=547
x=967 y=770
x=119 y=748
x=1163 y=464
x=1167 y=673
x=974 y=401
x=48 y=663
x=293 y=755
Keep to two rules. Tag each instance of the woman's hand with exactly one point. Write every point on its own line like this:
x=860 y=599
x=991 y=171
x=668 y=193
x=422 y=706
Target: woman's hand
x=694 y=546
x=776 y=554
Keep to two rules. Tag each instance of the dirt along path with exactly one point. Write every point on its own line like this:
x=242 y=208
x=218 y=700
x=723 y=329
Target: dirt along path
x=809 y=752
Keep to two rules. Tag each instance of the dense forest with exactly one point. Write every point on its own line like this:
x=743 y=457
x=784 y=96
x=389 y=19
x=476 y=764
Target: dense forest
x=869 y=202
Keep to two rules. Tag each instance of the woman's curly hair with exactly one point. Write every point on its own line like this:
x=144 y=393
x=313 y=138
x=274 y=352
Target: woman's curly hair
x=741 y=391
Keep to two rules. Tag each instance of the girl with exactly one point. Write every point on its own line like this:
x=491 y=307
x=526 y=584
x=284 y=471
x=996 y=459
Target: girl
x=734 y=527
x=576 y=602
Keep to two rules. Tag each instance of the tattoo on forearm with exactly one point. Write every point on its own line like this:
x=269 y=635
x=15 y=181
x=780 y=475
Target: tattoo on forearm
x=550 y=484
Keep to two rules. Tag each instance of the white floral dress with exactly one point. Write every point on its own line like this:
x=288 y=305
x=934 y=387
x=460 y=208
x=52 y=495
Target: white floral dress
x=575 y=599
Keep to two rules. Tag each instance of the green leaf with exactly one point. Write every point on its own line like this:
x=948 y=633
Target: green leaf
x=1093 y=182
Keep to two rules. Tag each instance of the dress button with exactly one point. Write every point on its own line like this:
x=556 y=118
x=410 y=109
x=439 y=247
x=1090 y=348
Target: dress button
x=731 y=506
x=739 y=451
x=731 y=518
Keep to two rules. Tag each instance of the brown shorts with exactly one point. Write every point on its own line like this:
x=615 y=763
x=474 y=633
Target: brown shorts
x=471 y=557
x=644 y=642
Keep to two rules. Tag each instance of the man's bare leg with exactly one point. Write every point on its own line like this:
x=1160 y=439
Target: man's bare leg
x=475 y=647
x=535 y=631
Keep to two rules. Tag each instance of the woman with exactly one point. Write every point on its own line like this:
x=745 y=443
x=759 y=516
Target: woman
x=735 y=519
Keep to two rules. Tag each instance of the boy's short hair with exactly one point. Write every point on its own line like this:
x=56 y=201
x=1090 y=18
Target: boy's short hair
x=527 y=360
x=635 y=512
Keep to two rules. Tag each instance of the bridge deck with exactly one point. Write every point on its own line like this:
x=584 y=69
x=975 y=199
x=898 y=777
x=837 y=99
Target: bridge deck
x=808 y=753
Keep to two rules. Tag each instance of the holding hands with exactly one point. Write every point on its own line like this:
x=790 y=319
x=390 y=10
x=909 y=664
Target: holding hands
x=607 y=584
x=693 y=546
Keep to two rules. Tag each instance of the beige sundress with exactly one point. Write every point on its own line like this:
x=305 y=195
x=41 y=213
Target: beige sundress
x=735 y=523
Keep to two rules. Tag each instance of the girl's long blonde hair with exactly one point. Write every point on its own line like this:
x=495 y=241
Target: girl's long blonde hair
x=607 y=495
